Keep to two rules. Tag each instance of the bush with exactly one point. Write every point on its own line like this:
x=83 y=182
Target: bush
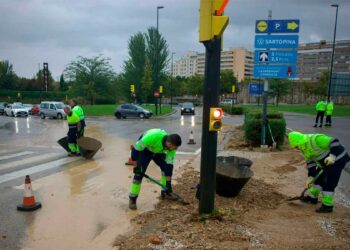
x=253 y=124
x=232 y=110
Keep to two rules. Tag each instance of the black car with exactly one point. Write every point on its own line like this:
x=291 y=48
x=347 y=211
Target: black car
x=2 y=107
x=187 y=108
x=132 y=110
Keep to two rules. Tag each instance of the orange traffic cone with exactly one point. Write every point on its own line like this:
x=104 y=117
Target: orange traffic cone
x=130 y=161
x=191 y=140
x=29 y=203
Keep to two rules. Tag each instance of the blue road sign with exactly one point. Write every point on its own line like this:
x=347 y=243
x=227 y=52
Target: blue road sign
x=276 y=42
x=275 y=56
x=256 y=88
x=274 y=71
x=277 y=26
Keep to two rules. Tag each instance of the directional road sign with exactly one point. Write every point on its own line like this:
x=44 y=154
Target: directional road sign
x=256 y=88
x=275 y=56
x=277 y=41
x=277 y=26
x=274 y=71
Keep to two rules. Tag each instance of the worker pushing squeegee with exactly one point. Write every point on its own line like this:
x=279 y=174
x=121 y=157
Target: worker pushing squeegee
x=326 y=159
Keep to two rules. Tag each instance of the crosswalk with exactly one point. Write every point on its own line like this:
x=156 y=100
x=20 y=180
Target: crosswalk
x=17 y=163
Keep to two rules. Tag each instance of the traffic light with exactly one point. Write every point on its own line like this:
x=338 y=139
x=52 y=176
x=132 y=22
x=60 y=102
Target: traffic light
x=161 y=89
x=215 y=120
x=212 y=23
x=132 y=88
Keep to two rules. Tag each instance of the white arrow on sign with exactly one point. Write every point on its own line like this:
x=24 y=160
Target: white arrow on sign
x=264 y=57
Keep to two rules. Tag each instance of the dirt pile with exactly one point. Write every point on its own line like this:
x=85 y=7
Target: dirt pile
x=259 y=217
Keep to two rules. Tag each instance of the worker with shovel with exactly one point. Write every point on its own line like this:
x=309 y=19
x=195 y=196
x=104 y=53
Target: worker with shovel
x=325 y=158
x=80 y=113
x=159 y=146
x=73 y=131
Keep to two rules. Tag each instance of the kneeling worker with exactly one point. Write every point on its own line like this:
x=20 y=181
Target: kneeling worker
x=321 y=153
x=159 y=146
x=73 y=131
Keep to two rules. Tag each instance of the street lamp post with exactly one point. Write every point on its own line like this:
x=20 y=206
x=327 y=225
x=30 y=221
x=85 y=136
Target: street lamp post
x=157 y=54
x=331 y=71
x=171 y=80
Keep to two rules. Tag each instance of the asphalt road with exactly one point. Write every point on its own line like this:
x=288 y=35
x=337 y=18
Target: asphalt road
x=29 y=145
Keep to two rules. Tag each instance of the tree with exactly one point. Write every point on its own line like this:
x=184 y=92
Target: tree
x=279 y=88
x=322 y=86
x=63 y=84
x=227 y=79
x=146 y=93
x=194 y=85
x=7 y=75
x=91 y=77
x=134 y=67
x=157 y=53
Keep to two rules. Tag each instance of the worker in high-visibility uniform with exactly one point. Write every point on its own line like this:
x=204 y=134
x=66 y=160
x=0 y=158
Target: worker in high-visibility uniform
x=159 y=146
x=329 y=113
x=321 y=152
x=80 y=112
x=73 y=131
x=321 y=109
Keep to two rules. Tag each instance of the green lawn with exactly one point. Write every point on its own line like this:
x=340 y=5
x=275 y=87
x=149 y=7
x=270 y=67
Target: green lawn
x=305 y=109
x=96 y=110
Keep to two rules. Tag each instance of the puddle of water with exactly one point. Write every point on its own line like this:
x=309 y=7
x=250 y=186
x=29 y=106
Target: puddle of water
x=86 y=206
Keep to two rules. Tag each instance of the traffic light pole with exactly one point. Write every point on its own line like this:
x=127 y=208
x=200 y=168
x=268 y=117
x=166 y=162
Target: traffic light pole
x=209 y=138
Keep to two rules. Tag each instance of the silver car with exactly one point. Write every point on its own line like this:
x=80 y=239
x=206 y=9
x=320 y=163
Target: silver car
x=52 y=109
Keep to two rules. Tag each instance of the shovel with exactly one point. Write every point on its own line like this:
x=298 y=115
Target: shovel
x=274 y=144
x=303 y=193
x=176 y=196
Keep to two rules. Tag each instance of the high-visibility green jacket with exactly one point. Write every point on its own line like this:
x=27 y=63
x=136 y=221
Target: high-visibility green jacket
x=73 y=119
x=316 y=147
x=321 y=106
x=154 y=141
x=79 y=111
x=329 y=108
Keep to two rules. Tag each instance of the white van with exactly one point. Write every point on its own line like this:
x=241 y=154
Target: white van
x=52 y=109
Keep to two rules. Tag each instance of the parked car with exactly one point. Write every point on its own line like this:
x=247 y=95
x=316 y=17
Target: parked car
x=28 y=107
x=2 y=107
x=132 y=110
x=35 y=109
x=52 y=109
x=16 y=110
x=187 y=108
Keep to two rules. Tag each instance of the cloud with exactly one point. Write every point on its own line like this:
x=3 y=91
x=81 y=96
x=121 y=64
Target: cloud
x=37 y=31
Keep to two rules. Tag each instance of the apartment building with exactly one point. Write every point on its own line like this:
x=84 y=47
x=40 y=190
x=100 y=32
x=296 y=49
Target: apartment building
x=239 y=60
x=315 y=58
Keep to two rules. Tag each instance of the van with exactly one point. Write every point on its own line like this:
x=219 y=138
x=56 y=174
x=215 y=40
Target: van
x=52 y=109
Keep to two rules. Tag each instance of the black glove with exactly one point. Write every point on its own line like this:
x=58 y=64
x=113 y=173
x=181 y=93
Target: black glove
x=169 y=189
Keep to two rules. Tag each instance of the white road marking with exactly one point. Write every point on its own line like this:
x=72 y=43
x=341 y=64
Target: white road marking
x=36 y=169
x=28 y=160
x=32 y=146
x=5 y=157
x=189 y=153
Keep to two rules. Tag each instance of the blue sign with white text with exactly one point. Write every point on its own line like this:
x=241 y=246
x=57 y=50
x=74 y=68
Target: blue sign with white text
x=276 y=42
x=256 y=88
x=274 y=71
x=277 y=26
x=275 y=56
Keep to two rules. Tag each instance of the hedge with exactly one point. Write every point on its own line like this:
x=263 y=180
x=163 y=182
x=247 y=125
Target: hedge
x=233 y=110
x=253 y=124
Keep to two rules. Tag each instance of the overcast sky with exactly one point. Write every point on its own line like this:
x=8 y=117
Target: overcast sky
x=57 y=31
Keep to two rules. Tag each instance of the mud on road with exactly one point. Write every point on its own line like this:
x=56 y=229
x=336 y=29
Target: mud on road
x=259 y=217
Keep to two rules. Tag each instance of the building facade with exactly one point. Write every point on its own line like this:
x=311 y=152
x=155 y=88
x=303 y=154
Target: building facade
x=239 y=60
x=315 y=58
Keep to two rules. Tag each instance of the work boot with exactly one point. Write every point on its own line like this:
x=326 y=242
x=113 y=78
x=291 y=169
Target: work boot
x=315 y=126
x=70 y=154
x=320 y=126
x=168 y=196
x=132 y=203
x=77 y=154
x=324 y=209
x=309 y=199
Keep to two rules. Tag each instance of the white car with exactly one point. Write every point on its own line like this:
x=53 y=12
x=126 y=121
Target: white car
x=28 y=107
x=16 y=110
